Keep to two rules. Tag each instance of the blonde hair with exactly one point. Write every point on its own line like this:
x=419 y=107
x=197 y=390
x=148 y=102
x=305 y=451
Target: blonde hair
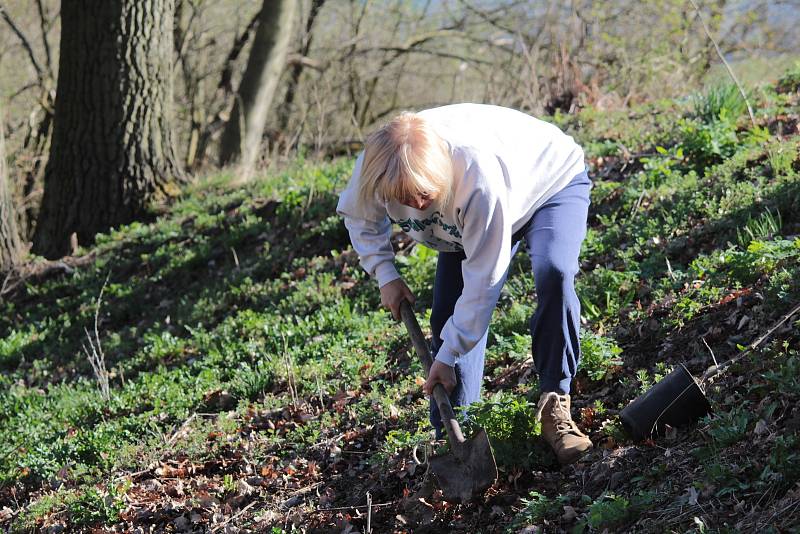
x=403 y=158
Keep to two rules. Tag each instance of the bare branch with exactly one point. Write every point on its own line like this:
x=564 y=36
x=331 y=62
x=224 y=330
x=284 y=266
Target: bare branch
x=305 y=61
x=25 y=43
x=45 y=23
x=489 y=16
x=238 y=44
x=402 y=50
x=21 y=90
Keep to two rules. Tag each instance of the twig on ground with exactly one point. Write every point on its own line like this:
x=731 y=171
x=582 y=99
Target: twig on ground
x=354 y=507
x=714 y=358
x=792 y=504
x=174 y=436
x=369 y=513
x=777 y=325
x=669 y=269
x=715 y=370
x=296 y=497
x=169 y=442
x=307 y=489
x=319 y=392
x=132 y=475
x=327 y=442
x=222 y=525
x=636 y=206
x=39 y=270
x=290 y=378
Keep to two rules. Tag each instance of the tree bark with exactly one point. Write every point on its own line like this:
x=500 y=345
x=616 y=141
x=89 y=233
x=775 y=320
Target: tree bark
x=297 y=68
x=211 y=126
x=10 y=245
x=242 y=136
x=111 y=154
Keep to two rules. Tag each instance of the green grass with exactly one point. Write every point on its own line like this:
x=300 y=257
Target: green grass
x=243 y=338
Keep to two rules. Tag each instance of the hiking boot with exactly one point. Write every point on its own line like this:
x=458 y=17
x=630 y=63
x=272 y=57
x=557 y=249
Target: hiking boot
x=559 y=430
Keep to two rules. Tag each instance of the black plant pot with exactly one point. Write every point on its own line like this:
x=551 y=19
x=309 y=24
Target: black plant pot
x=676 y=400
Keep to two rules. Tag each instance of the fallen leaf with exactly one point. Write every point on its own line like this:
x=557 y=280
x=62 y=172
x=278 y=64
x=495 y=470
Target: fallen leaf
x=411 y=468
x=181 y=523
x=243 y=488
x=587 y=415
x=267 y=516
x=743 y=321
x=206 y=500
x=425 y=503
x=151 y=484
x=219 y=400
x=268 y=472
x=608 y=443
x=569 y=513
x=167 y=471
x=350 y=435
x=341 y=399
x=312 y=469
x=327 y=497
x=761 y=427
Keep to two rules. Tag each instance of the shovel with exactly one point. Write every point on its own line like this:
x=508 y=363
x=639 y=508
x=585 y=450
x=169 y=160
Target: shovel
x=469 y=468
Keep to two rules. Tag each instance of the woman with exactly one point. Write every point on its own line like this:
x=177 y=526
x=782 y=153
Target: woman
x=471 y=181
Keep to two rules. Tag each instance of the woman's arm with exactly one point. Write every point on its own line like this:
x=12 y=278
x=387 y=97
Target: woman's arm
x=487 y=245
x=372 y=244
x=370 y=230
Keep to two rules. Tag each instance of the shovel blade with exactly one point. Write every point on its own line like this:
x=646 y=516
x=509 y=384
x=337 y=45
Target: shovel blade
x=467 y=471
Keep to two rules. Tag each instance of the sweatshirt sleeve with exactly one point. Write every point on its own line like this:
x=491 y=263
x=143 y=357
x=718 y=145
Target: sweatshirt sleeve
x=370 y=230
x=487 y=246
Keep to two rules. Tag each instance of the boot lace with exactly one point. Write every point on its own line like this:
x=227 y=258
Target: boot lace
x=562 y=417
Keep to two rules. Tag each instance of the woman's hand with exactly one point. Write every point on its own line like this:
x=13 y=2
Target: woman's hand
x=393 y=293
x=441 y=373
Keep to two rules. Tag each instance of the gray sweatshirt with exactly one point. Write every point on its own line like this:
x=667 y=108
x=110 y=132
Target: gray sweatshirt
x=506 y=165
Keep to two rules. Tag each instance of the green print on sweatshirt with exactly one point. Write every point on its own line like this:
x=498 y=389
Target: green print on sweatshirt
x=417 y=225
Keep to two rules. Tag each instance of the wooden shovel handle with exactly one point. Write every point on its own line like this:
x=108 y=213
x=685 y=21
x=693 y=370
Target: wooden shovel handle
x=439 y=393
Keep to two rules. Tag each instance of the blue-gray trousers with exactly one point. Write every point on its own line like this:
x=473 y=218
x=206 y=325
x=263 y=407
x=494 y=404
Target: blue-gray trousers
x=553 y=237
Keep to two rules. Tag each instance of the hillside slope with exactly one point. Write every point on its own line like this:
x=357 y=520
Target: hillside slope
x=254 y=384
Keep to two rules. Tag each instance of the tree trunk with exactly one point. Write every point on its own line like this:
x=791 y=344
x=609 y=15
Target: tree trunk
x=242 y=136
x=297 y=68
x=111 y=152
x=10 y=246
